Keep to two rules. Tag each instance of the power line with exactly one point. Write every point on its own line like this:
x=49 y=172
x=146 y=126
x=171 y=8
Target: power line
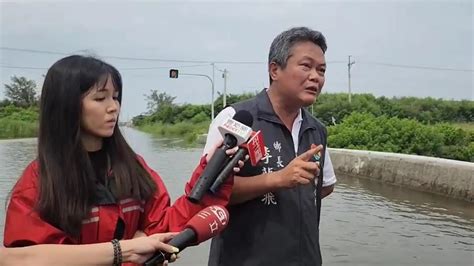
x=121 y=69
x=124 y=68
x=147 y=59
x=24 y=67
x=135 y=58
x=32 y=51
x=414 y=67
x=215 y=62
x=160 y=67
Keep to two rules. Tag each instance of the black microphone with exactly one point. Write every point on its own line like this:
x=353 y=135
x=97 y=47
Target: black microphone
x=254 y=147
x=206 y=224
x=236 y=131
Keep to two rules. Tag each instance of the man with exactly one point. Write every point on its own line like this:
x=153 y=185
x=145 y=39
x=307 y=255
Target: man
x=275 y=207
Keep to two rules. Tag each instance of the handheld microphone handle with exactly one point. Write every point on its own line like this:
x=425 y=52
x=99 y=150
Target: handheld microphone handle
x=208 y=175
x=181 y=241
x=158 y=258
x=228 y=168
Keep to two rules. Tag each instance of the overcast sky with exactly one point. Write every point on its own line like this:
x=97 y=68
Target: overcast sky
x=400 y=48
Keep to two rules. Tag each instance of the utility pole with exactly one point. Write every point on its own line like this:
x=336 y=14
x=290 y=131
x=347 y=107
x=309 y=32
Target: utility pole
x=349 y=65
x=224 y=75
x=212 y=97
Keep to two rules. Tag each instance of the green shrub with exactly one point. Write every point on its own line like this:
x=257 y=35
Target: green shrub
x=367 y=132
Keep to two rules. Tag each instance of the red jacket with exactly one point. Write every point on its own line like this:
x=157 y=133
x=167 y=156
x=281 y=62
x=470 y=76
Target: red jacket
x=24 y=227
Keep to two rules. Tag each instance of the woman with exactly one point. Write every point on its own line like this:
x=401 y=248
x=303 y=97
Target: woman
x=87 y=185
x=136 y=250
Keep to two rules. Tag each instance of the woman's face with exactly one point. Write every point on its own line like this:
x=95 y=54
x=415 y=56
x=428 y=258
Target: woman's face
x=100 y=110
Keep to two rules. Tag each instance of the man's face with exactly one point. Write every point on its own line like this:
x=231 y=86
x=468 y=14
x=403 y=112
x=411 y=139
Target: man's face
x=301 y=81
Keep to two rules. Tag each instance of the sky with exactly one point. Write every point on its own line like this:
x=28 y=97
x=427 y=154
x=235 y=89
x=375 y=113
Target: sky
x=400 y=48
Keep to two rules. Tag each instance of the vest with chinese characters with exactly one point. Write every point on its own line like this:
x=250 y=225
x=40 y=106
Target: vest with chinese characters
x=281 y=227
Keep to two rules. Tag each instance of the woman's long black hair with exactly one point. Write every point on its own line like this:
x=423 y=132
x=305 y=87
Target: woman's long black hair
x=67 y=180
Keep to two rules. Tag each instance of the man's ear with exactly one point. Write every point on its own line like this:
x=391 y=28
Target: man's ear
x=273 y=70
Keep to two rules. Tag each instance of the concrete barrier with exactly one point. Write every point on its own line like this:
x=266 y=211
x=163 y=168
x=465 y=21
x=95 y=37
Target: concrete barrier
x=441 y=176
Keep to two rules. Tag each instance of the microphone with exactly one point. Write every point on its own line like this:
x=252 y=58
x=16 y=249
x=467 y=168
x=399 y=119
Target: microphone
x=236 y=131
x=204 y=225
x=254 y=147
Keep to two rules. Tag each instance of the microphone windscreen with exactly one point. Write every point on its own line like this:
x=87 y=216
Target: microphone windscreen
x=209 y=222
x=244 y=117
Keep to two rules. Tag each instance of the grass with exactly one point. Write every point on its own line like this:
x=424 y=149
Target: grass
x=184 y=130
x=10 y=129
x=465 y=126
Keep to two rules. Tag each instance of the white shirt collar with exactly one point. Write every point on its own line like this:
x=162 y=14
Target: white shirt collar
x=295 y=131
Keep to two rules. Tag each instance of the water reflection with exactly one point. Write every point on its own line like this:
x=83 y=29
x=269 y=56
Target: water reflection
x=395 y=226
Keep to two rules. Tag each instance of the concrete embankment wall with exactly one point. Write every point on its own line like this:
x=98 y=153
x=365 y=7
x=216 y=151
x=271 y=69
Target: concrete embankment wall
x=441 y=176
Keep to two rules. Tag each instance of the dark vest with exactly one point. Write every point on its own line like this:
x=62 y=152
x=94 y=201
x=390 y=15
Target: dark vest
x=279 y=228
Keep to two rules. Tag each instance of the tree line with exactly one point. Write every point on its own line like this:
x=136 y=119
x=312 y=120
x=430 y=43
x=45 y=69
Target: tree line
x=423 y=126
x=330 y=108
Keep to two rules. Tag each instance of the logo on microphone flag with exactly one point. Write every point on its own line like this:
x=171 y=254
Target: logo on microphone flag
x=256 y=148
x=214 y=226
x=240 y=131
x=220 y=213
x=215 y=211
